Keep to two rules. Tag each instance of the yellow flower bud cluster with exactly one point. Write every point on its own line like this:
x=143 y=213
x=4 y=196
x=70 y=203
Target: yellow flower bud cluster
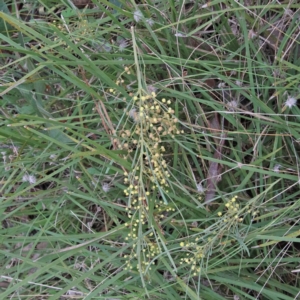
x=137 y=213
x=156 y=117
x=233 y=211
x=153 y=120
x=193 y=255
x=138 y=220
x=152 y=125
x=148 y=253
x=79 y=29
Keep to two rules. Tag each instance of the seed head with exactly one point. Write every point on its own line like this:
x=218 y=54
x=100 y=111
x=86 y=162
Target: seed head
x=105 y=187
x=29 y=178
x=150 y=22
x=290 y=102
x=137 y=15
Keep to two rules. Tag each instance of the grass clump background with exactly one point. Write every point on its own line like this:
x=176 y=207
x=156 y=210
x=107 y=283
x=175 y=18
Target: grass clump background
x=149 y=150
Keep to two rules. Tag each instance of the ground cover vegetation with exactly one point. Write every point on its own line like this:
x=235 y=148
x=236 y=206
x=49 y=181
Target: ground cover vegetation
x=149 y=149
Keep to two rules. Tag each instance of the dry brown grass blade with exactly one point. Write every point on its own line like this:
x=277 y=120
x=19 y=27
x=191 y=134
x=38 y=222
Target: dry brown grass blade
x=214 y=170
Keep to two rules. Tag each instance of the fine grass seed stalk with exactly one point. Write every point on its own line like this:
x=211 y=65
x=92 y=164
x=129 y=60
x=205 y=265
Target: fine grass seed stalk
x=154 y=125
